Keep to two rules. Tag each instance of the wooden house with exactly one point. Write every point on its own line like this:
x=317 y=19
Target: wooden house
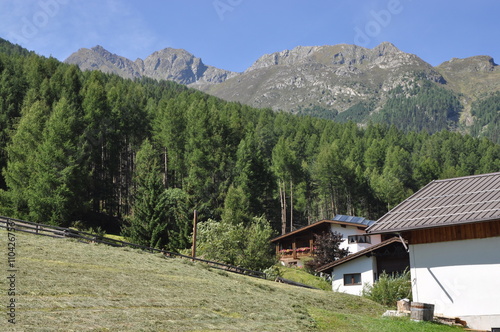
x=293 y=246
x=452 y=228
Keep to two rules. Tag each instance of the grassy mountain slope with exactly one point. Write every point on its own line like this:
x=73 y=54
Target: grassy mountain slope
x=64 y=285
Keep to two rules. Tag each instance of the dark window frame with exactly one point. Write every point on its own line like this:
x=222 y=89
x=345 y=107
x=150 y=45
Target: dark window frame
x=364 y=238
x=352 y=277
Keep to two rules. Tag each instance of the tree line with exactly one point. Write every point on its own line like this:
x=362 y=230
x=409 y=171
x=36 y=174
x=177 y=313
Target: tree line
x=140 y=156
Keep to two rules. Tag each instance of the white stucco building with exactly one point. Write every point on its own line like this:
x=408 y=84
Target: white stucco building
x=453 y=232
x=351 y=273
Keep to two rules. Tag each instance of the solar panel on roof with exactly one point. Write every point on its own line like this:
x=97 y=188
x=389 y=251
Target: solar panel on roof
x=354 y=220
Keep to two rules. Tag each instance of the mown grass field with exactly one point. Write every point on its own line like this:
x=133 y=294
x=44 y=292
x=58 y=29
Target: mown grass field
x=65 y=285
x=302 y=276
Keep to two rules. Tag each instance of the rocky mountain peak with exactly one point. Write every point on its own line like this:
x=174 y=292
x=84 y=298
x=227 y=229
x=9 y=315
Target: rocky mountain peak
x=168 y=64
x=100 y=50
x=331 y=77
x=385 y=55
x=386 y=48
x=98 y=58
x=480 y=63
x=174 y=64
x=285 y=57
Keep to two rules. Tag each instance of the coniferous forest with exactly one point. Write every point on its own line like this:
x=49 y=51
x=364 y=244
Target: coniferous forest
x=104 y=151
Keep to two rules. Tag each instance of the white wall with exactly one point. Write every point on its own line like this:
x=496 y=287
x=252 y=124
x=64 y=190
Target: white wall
x=461 y=278
x=364 y=265
x=353 y=230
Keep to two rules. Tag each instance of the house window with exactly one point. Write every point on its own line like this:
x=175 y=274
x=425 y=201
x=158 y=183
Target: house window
x=352 y=279
x=358 y=239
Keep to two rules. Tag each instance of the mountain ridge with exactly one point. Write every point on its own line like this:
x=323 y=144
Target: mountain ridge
x=169 y=64
x=315 y=80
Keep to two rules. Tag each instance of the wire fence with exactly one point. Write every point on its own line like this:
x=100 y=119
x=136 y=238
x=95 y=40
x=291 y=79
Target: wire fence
x=63 y=232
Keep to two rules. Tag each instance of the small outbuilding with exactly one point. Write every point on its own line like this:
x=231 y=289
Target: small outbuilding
x=351 y=273
x=452 y=228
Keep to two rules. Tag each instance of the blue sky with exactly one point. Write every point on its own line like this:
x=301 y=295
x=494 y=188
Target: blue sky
x=232 y=34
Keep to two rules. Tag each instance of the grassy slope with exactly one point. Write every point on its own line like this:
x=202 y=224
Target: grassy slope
x=70 y=286
x=301 y=276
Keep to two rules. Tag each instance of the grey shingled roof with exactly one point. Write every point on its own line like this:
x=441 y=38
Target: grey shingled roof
x=445 y=202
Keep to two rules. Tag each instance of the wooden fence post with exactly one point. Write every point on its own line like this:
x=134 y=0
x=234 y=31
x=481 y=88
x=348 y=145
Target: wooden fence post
x=195 y=221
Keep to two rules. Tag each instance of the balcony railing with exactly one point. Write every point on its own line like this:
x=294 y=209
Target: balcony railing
x=299 y=252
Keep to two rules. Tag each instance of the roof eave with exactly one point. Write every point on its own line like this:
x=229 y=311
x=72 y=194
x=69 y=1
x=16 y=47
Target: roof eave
x=358 y=254
x=297 y=231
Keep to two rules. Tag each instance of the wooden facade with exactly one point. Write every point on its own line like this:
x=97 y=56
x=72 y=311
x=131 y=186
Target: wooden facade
x=299 y=243
x=296 y=246
x=477 y=230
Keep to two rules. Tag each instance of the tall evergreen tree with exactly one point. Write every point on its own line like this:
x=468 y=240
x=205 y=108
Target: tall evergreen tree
x=148 y=224
x=159 y=216
x=22 y=155
x=98 y=126
x=169 y=128
x=55 y=194
x=286 y=167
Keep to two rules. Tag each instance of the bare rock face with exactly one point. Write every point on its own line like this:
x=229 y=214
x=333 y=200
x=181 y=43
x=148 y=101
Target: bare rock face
x=331 y=77
x=385 y=54
x=481 y=63
x=286 y=57
x=168 y=64
x=172 y=64
x=97 y=58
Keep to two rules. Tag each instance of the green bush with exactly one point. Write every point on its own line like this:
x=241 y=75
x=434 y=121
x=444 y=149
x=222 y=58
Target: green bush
x=388 y=289
x=237 y=244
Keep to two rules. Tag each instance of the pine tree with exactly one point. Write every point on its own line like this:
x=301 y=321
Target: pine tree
x=159 y=216
x=253 y=174
x=22 y=154
x=55 y=191
x=236 y=207
x=98 y=125
x=169 y=129
x=285 y=166
x=148 y=224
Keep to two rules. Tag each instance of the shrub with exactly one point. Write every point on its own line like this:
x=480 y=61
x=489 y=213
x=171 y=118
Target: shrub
x=237 y=244
x=273 y=272
x=327 y=250
x=388 y=289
